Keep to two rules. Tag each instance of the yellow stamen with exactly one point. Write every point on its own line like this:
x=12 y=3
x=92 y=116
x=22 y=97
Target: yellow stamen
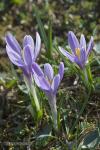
x=77 y=52
x=50 y=81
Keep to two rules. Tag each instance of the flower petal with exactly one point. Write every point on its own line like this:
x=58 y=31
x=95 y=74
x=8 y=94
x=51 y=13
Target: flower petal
x=36 y=68
x=73 y=41
x=14 y=57
x=90 y=46
x=26 y=72
x=78 y=62
x=12 y=42
x=27 y=55
x=61 y=70
x=67 y=54
x=55 y=83
x=41 y=82
x=48 y=71
x=83 y=57
x=37 y=45
x=82 y=42
x=28 y=40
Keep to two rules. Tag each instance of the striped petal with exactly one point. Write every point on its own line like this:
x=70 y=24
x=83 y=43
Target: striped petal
x=37 y=45
x=67 y=54
x=14 y=57
x=28 y=40
x=48 y=71
x=61 y=70
x=36 y=68
x=83 y=42
x=73 y=41
x=27 y=56
x=41 y=82
x=90 y=46
x=83 y=56
x=12 y=42
x=78 y=62
x=55 y=83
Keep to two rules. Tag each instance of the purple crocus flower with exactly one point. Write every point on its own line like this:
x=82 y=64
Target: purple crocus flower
x=49 y=83
x=80 y=51
x=23 y=57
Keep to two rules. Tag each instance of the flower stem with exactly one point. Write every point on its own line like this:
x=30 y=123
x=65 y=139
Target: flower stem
x=85 y=79
x=85 y=74
x=52 y=103
x=34 y=99
x=33 y=91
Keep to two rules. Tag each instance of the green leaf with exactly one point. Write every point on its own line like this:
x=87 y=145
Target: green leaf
x=49 y=39
x=18 y=2
x=46 y=39
x=43 y=137
x=91 y=140
x=97 y=47
x=23 y=88
x=41 y=27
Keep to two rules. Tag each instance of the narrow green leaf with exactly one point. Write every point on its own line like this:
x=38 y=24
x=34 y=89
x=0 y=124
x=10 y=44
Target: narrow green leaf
x=91 y=140
x=49 y=39
x=41 y=27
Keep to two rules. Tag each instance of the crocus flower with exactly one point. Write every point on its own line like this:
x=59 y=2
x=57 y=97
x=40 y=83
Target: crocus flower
x=49 y=83
x=23 y=57
x=80 y=51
